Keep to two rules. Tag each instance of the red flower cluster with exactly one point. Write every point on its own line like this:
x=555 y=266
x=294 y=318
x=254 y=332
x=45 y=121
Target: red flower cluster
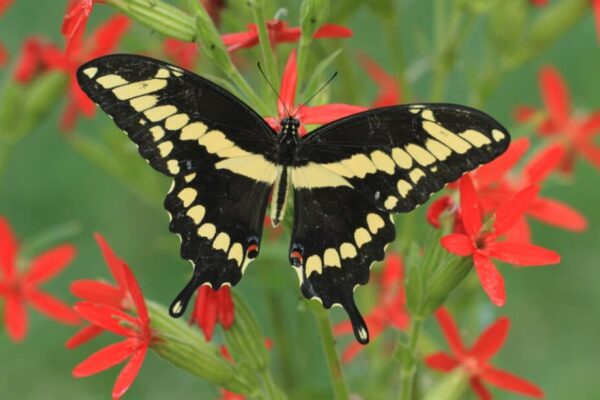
x=575 y=134
x=286 y=105
x=104 y=308
x=19 y=289
x=475 y=361
x=279 y=32
x=212 y=306
x=482 y=241
x=390 y=310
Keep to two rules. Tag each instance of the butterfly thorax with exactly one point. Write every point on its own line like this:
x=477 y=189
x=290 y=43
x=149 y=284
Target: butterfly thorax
x=288 y=140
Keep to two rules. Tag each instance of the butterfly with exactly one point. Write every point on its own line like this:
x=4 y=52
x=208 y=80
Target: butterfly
x=346 y=179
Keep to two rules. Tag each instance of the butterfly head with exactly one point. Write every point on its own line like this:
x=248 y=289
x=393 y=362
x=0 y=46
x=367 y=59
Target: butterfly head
x=289 y=125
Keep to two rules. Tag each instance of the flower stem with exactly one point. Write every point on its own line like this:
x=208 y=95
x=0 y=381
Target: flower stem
x=409 y=359
x=258 y=12
x=333 y=363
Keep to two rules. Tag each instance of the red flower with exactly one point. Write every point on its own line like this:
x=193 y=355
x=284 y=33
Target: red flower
x=482 y=243
x=137 y=331
x=214 y=8
x=389 y=92
x=390 y=310
x=19 y=289
x=279 y=32
x=475 y=361
x=575 y=133
x=3 y=55
x=4 y=5
x=102 y=42
x=212 y=306
x=31 y=61
x=539 y=3
x=306 y=114
x=184 y=54
x=74 y=22
x=101 y=292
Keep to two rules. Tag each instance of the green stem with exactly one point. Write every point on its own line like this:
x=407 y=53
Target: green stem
x=409 y=363
x=335 y=369
x=258 y=12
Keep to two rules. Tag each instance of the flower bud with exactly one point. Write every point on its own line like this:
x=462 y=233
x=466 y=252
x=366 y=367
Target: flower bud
x=511 y=13
x=444 y=280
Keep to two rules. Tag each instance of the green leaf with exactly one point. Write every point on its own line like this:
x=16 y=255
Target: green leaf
x=316 y=78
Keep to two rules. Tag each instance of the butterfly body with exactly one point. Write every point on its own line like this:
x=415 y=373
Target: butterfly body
x=346 y=178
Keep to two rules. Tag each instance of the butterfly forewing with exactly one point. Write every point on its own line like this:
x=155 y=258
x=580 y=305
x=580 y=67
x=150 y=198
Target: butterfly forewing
x=353 y=173
x=218 y=151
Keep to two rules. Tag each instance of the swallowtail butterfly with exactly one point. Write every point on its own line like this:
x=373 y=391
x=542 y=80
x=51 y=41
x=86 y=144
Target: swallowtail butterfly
x=347 y=177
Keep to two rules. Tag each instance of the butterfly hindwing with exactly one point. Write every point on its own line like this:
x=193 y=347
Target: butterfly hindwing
x=217 y=150
x=351 y=174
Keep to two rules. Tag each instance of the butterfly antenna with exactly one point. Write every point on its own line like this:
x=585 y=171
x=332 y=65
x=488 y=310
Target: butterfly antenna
x=272 y=87
x=316 y=93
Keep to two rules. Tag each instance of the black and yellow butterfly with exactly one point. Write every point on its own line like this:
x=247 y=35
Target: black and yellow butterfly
x=347 y=177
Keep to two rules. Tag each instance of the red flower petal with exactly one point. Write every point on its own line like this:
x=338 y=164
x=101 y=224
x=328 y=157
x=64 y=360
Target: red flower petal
x=450 y=331
x=558 y=214
x=226 y=307
x=15 y=318
x=184 y=54
x=555 y=95
x=105 y=358
x=114 y=264
x=480 y=391
x=108 y=35
x=490 y=341
x=519 y=232
x=524 y=113
x=512 y=383
x=106 y=317
x=74 y=22
x=4 y=4
x=287 y=92
x=389 y=94
x=591 y=125
x=343 y=328
x=53 y=308
x=239 y=40
x=392 y=273
x=136 y=294
x=458 y=244
x=49 y=264
x=205 y=310
x=3 y=55
x=544 y=163
x=491 y=280
x=513 y=209
x=332 y=31
x=98 y=292
x=524 y=254
x=596 y=6
x=491 y=173
x=129 y=373
x=327 y=113
x=469 y=206
x=441 y=362
x=436 y=208
x=8 y=249
x=84 y=335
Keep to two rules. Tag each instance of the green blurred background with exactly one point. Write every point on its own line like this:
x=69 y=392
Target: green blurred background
x=555 y=335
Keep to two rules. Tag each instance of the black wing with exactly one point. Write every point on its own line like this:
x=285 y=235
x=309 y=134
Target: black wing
x=352 y=174
x=218 y=151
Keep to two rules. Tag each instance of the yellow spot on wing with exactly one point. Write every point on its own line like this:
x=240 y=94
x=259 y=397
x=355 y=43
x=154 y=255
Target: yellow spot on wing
x=221 y=242
x=163 y=73
x=347 y=250
x=331 y=258
x=374 y=222
x=157 y=133
x=360 y=165
x=403 y=187
x=236 y=253
x=159 y=113
x=361 y=237
x=193 y=131
x=476 y=138
x=207 y=231
x=391 y=202
x=314 y=264
x=428 y=114
x=416 y=175
x=402 y=158
x=190 y=177
x=421 y=155
x=447 y=137
x=498 y=135
x=111 y=81
x=338 y=168
x=187 y=196
x=254 y=166
x=440 y=151
x=136 y=89
x=214 y=141
x=90 y=72
x=383 y=162
x=176 y=121
x=165 y=148
x=312 y=176
x=196 y=213
x=144 y=102
x=173 y=166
